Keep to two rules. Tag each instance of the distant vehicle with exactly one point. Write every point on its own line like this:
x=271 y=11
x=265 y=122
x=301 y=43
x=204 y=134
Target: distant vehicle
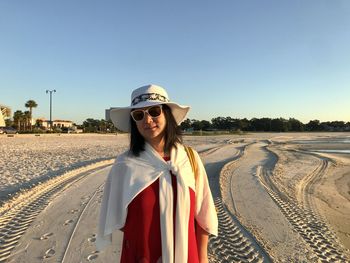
x=72 y=129
x=8 y=130
x=67 y=130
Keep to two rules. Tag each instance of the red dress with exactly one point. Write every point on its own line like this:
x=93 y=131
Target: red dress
x=142 y=237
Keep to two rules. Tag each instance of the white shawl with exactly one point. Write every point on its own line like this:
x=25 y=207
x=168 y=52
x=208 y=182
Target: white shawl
x=130 y=175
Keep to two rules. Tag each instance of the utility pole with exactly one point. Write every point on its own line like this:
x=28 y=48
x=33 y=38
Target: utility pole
x=51 y=91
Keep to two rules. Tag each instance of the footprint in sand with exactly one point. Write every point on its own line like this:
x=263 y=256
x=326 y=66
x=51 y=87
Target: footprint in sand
x=67 y=222
x=92 y=256
x=92 y=239
x=46 y=236
x=73 y=211
x=84 y=200
x=49 y=253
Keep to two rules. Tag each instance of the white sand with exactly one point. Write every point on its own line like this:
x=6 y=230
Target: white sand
x=275 y=199
x=27 y=158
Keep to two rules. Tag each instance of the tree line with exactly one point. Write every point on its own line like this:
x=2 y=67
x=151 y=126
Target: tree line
x=22 y=121
x=232 y=124
x=263 y=125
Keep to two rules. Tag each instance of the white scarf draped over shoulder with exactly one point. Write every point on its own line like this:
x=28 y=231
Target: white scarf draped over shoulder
x=130 y=175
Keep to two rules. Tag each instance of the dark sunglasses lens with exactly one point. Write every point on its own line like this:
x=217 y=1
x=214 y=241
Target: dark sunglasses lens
x=138 y=115
x=155 y=111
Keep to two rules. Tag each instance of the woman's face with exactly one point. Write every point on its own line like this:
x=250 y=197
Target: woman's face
x=152 y=128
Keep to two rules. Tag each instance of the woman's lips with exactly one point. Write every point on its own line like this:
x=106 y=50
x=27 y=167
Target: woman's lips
x=151 y=128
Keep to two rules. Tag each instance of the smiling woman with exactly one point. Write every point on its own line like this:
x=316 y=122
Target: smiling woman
x=151 y=194
x=152 y=128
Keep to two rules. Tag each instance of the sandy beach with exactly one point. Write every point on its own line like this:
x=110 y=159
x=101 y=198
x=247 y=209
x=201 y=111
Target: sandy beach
x=280 y=197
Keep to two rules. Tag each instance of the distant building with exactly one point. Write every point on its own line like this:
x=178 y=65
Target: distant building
x=62 y=123
x=2 y=120
x=55 y=123
x=5 y=112
x=107 y=114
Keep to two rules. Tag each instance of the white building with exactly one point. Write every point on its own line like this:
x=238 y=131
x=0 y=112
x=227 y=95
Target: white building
x=55 y=123
x=5 y=112
x=2 y=120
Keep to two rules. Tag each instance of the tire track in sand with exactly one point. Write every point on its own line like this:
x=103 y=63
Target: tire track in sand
x=304 y=218
x=210 y=150
x=17 y=215
x=234 y=243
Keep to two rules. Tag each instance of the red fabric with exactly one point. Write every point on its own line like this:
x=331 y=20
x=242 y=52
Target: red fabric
x=142 y=237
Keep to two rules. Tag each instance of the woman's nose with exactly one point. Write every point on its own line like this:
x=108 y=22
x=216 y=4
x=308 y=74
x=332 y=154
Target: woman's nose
x=147 y=118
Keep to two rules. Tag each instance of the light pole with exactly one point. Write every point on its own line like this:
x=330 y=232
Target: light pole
x=47 y=91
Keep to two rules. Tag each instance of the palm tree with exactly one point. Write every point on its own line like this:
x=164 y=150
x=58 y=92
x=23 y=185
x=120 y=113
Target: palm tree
x=27 y=120
x=18 y=118
x=31 y=104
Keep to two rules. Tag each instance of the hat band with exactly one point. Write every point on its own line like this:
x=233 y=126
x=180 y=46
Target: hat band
x=149 y=96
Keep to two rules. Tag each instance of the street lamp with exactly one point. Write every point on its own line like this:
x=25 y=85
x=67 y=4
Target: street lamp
x=47 y=91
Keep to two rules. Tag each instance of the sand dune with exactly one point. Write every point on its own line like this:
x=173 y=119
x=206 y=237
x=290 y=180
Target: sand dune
x=278 y=196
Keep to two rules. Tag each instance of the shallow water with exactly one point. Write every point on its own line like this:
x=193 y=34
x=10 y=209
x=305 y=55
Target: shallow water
x=332 y=151
x=326 y=140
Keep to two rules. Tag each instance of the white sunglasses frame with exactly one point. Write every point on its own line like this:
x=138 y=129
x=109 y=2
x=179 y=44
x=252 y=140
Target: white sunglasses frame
x=146 y=111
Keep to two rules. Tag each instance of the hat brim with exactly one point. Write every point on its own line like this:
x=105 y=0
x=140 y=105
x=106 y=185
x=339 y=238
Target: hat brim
x=120 y=116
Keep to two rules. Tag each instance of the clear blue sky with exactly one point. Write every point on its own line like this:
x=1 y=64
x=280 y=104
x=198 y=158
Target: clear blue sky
x=223 y=58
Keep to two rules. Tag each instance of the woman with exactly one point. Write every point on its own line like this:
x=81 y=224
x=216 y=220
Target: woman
x=151 y=194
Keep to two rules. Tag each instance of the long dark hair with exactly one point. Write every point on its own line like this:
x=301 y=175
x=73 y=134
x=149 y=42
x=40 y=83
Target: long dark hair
x=173 y=134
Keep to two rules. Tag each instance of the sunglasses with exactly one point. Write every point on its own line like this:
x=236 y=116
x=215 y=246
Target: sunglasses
x=154 y=112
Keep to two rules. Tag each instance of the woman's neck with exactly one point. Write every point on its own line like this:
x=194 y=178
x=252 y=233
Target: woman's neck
x=158 y=145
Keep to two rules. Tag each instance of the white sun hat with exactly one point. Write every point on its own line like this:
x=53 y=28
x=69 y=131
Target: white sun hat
x=146 y=96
